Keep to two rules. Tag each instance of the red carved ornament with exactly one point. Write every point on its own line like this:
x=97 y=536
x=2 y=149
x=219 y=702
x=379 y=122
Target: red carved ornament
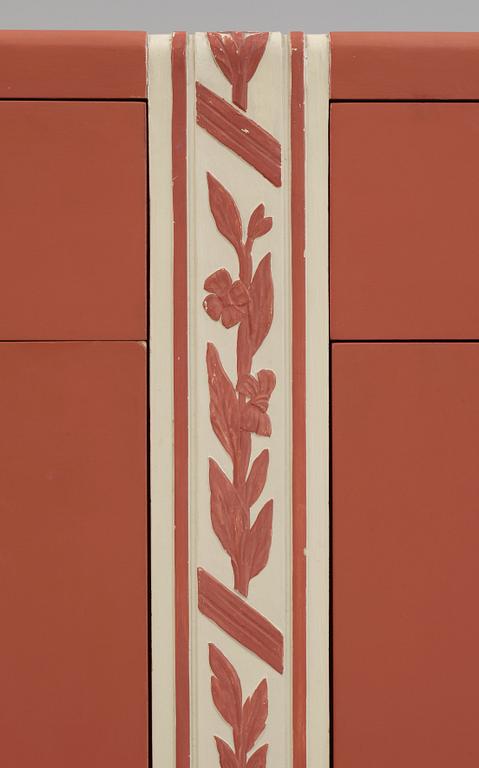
x=240 y=620
x=238 y=55
x=247 y=720
x=237 y=412
x=239 y=409
x=239 y=133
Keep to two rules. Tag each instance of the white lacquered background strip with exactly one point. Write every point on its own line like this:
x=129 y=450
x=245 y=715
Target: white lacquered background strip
x=317 y=397
x=208 y=250
x=270 y=590
x=161 y=402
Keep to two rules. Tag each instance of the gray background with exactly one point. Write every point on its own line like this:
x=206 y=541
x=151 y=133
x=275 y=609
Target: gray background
x=282 y=15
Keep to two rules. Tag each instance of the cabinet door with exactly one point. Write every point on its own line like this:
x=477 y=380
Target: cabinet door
x=405 y=407
x=405 y=533
x=73 y=555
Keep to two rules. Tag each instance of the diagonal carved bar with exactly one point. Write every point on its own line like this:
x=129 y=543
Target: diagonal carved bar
x=239 y=620
x=239 y=133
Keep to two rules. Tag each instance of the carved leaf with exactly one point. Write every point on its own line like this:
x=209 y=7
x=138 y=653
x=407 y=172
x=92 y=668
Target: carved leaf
x=225 y=213
x=259 y=224
x=261 y=295
x=224 y=406
x=255 y=712
x=257 y=477
x=228 y=514
x=253 y=50
x=233 y=43
x=258 y=758
x=227 y=756
x=215 y=40
x=259 y=542
x=247 y=720
x=225 y=688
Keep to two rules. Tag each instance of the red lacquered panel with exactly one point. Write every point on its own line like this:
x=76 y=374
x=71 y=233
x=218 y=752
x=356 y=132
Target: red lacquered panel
x=405 y=533
x=404 y=221
x=72 y=64
x=404 y=65
x=73 y=217
x=73 y=555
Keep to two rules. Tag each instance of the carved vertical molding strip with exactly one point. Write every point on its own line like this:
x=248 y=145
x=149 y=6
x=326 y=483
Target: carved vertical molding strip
x=230 y=598
x=316 y=194
x=161 y=386
x=240 y=397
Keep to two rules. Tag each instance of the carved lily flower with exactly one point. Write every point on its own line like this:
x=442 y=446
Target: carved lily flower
x=238 y=56
x=227 y=299
x=258 y=391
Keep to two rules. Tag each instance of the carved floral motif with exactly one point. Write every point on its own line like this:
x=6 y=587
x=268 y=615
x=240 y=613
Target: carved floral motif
x=238 y=55
x=239 y=409
x=237 y=412
x=247 y=720
x=227 y=300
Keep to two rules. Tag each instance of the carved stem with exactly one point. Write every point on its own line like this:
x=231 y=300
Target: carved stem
x=241 y=579
x=245 y=261
x=241 y=755
x=240 y=92
x=244 y=361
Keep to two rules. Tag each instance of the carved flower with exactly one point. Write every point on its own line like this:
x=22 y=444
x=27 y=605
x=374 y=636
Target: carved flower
x=258 y=391
x=238 y=56
x=227 y=299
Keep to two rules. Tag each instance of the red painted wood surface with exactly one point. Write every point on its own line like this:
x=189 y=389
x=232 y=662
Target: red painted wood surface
x=73 y=555
x=298 y=354
x=73 y=220
x=405 y=537
x=60 y=64
x=404 y=65
x=404 y=223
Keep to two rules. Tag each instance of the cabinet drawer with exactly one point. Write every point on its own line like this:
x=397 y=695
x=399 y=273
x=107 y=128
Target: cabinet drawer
x=404 y=220
x=73 y=220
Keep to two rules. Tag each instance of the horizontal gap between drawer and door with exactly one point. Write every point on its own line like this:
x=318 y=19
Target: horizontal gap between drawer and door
x=404 y=341
x=61 y=98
